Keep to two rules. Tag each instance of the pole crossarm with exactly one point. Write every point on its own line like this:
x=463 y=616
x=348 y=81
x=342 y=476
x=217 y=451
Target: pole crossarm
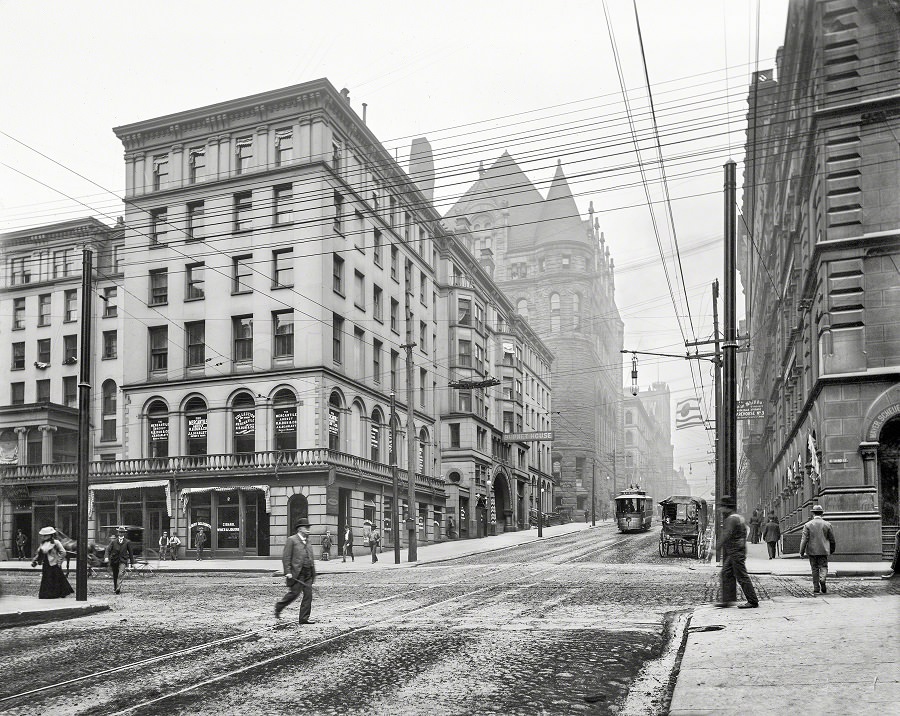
x=699 y=356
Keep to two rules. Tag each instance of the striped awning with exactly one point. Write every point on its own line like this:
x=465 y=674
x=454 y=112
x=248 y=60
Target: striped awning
x=112 y=486
x=184 y=494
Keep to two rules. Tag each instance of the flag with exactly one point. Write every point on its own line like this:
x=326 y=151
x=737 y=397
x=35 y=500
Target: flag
x=813 y=455
x=687 y=414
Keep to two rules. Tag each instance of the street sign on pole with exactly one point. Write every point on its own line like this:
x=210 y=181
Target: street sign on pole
x=527 y=437
x=750 y=409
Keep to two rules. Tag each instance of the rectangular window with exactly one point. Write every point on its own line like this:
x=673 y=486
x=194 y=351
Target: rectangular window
x=377 y=303
x=338 y=213
x=283 y=268
x=17 y=393
x=376 y=247
x=283 y=200
x=283 y=329
x=454 y=435
x=243 y=153
x=464 y=401
x=71 y=308
x=240 y=267
x=359 y=287
x=421 y=245
x=197 y=162
x=110 y=344
x=395 y=263
x=395 y=315
x=336 y=157
x=159 y=225
x=423 y=381
x=195 y=221
x=159 y=348
x=195 y=333
x=159 y=287
x=407 y=225
x=194 y=278
x=70 y=391
x=337 y=338
x=464 y=311
x=360 y=337
x=423 y=289
x=18 y=356
x=43 y=350
x=160 y=172
x=70 y=349
x=44 y=309
x=19 y=273
x=62 y=263
x=242 y=333
x=337 y=274
x=376 y=361
x=43 y=390
x=284 y=146
x=243 y=210
x=19 y=312
x=392 y=218
x=395 y=359
x=465 y=354
x=110 y=302
x=423 y=336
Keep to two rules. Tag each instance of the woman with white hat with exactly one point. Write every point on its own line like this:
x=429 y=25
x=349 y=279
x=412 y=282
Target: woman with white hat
x=50 y=555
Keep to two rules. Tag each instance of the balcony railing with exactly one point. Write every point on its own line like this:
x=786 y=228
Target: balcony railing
x=267 y=462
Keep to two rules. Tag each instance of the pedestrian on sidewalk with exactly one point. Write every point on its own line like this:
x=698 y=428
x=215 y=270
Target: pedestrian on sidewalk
x=374 y=543
x=817 y=543
x=895 y=563
x=50 y=555
x=326 y=546
x=174 y=544
x=734 y=558
x=771 y=535
x=119 y=552
x=163 y=545
x=200 y=542
x=299 y=571
x=21 y=540
x=348 y=544
x=754 y=527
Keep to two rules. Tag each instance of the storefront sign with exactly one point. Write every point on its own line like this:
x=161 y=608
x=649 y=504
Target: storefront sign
x=196 y=426
x=333 y=422
x=750 y=410
x=245 y=422
x=375 y=436
x=286 y=420
x=332 y=501
x=159 y=429
x=527 y=437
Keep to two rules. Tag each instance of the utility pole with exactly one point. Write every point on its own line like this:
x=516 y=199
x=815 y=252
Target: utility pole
x=395 y=478
x=412 y=554
x=593 y=492
x=729 y=346
x=718 y=388
x=540 y=506
x=84 y=424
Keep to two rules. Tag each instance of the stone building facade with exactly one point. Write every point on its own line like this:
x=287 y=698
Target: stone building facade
x=821 y=273
x=647 y=442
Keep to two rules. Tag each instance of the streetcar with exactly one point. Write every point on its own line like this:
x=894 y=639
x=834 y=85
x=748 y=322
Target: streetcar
x=684 y=526
x=634 y=510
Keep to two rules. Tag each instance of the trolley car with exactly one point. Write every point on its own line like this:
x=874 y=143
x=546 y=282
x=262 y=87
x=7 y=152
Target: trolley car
x=634 y=510
x=684 y=526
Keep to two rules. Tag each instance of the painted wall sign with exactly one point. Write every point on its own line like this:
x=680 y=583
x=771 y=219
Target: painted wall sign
x=880 y=420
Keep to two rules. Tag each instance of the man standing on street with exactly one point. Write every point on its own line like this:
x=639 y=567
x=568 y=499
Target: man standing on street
x=299 y=571
x=119 y=552
x=817 y=543
x=734 y=558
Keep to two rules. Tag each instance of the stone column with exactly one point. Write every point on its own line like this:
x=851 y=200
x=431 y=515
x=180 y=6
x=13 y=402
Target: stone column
x=47 y=443
x=303 y=144
x=129 y=174
x=869 y=452
x=140 y=181
x=176 y=166
x=262 y=147
x=212 y=158
x=23 y=445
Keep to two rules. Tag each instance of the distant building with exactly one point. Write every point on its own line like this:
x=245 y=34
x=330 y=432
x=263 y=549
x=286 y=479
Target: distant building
x=647 y=448
x=556 y=269
x=819 y=265
x=40 y=309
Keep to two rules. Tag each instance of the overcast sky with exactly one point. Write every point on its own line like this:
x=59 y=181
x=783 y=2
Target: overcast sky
x=476 y=77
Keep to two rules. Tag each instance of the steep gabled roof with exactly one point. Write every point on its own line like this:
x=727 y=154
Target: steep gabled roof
x=560 y=220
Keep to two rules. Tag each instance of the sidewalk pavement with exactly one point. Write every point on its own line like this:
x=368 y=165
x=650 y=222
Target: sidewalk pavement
x=17 y=611
x=758 y=562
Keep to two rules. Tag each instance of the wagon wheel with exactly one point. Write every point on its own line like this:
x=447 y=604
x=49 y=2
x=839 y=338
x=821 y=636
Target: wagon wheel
x=694 y=549
x=661 y=548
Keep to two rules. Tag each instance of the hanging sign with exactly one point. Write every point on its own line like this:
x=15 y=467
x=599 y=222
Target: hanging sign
x=750 y=410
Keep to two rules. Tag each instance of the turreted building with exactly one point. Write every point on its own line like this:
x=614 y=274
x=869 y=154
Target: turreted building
x=555 y=266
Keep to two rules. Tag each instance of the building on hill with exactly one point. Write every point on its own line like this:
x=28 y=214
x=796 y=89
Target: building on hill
x=555 y=267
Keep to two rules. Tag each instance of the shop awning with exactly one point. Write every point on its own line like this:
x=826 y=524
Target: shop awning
x=184 y=494
x=131 y=486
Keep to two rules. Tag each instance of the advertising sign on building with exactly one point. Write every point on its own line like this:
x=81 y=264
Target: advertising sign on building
x=286 y=420
x=750 y=409
x=527 y=437
x=196 y=426
x=245 y=422
x=333 y=422
x=159 y=429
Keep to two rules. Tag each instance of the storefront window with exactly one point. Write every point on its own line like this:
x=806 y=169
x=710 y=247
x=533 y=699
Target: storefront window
x=200 y=517
x=228 y=531
x=250 y=507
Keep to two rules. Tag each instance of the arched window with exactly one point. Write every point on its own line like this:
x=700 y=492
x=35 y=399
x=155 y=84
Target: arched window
x=376 y=427
x=285 y=408
x=576 y=311
x=243 y=423
x=334 y=422
x=298 y=506
x=554 y=313
x=108 y=429
x=196 y=425
x=522 y=308
x=423 y=445
x=158 y=429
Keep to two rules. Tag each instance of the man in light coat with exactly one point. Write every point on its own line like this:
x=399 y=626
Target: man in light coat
x=299 y=571
x=817 y=543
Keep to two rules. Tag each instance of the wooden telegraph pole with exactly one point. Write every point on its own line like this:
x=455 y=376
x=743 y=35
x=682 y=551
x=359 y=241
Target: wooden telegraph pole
x=84 y=424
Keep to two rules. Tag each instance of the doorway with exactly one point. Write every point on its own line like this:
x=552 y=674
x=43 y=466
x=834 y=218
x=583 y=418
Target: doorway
x=888 y=464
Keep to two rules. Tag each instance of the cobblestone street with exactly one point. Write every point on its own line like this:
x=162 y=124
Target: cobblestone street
x=559 y=626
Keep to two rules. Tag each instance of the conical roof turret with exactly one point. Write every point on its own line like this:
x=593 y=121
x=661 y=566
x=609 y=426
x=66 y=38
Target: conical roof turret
x=560 y=220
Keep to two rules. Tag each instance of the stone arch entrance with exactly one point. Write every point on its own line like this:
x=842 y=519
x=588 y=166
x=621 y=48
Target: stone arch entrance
x=889 y=473
x=503 y=503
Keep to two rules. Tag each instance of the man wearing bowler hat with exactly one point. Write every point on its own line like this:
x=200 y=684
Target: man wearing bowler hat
x=734 y=558
x=119 y=552
x=299 y=571
x=817 y=543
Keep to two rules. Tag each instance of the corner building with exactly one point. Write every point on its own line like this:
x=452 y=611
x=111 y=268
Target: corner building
x=820 y=272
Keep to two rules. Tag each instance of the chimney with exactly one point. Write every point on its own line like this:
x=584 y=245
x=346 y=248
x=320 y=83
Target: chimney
x=487 y=261
x=365 y=106
x=421 y=166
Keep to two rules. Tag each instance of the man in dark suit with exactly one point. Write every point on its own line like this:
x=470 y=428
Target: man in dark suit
x=817 y=542
x=299 y=571
x=119 y=552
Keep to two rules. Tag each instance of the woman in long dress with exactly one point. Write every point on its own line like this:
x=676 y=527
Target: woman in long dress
x=50 y=555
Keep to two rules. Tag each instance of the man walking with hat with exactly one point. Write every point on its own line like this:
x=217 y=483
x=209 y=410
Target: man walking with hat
x=119 y=552
x=734 y=558
x=299 y=571
x=817 y=543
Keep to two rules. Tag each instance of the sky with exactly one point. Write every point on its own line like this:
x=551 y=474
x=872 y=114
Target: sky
x=538 y=79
